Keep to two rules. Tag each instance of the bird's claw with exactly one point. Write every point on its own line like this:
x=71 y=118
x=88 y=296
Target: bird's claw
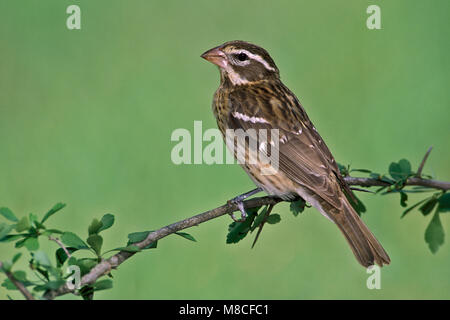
x=237 y=201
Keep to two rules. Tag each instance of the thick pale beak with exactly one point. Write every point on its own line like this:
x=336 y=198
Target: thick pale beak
x=216 y=56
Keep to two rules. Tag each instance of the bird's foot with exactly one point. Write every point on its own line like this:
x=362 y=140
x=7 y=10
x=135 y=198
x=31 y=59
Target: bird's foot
x=241 y=208
x=239 y=202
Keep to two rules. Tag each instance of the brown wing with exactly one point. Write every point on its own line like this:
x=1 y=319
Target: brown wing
x=303 y=156
x=305 y=159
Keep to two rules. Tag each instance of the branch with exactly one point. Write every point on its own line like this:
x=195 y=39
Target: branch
x=19 y=285
x=106 y=266
x=60 y=244
x=368 y=182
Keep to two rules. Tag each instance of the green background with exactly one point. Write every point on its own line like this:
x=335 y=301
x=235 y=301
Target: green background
x=86 y=118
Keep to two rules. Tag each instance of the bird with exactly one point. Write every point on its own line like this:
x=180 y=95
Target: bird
x=251 y=95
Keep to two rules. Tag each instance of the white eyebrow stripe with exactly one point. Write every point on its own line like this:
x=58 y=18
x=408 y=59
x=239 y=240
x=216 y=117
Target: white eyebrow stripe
x=255 y=57
x=246 y=118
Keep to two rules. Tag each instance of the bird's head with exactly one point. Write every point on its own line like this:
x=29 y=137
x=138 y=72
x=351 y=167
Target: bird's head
x=241 y=62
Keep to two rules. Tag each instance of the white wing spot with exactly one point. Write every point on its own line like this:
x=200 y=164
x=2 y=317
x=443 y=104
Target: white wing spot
x=246 y=118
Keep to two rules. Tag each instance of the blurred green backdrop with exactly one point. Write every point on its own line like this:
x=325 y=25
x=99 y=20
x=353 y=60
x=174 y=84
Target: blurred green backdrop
x=86 y=118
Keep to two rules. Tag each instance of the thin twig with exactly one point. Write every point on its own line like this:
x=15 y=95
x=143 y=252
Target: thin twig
x=19 y=285
x=422 y=164
x=60 y=244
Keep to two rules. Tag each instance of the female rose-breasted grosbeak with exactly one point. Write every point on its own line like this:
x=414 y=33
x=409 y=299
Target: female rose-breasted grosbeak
x=252 y=96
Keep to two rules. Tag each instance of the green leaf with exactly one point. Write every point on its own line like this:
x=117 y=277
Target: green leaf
x=152 y=245
x=8 y=214
x=297 y=207
x=343 y=169
x=70 y=239
x=5 y=229
x=6 y=266
x=375 y=175
x=96 y=242
x=103 y=285
x=403 y=199
x=50 y=285
x=8 y=285
x=444 y=203
x=16 y=257
x=359 y=206
x=130 y=248
x=107 y=221
x=238 y=230
x=412 y=207
x=85 y=264
x=54 y=231
x=400 y=170
x=428 y=206
x=141 y=236
x=19 y=244
x=87 y=292
x=31 y=243
x=259 y=219
x=94 y=227
x=386 y=179
x=19 y=275
x=41 y=258
x=33 y=219
x=273 y=218
x=23 y=224
x=43 y=272
x=61 y=255
x=186 y=236
x=138 y=236
x=49 y=232
x=405 y=166
x=53 y=210
x=361 y=170
x=410 y=191
x=11 y=237
x=434 y=234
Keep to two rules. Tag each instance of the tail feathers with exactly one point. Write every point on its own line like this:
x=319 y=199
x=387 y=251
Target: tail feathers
x=366 y=248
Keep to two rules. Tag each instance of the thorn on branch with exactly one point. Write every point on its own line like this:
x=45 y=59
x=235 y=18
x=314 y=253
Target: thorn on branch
x=422 y=164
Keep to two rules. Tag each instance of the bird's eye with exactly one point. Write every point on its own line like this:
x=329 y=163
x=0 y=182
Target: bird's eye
x=242 y=56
